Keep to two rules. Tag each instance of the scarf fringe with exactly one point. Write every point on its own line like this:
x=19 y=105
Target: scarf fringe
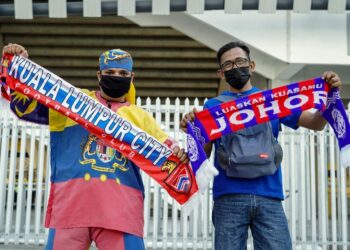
x=191 y=203
x=204 y=175
x=345 y=156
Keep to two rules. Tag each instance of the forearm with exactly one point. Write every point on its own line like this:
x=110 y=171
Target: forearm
x=312 y=120
x=207 y=148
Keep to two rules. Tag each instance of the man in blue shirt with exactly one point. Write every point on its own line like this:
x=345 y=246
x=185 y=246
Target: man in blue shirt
x=241 y=203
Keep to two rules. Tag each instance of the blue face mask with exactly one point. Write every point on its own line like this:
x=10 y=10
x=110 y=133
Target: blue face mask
x=115 y=86
x=237 y=77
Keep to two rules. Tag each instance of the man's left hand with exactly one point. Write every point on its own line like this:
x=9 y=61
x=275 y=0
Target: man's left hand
x=332 y=79
x=181 y=154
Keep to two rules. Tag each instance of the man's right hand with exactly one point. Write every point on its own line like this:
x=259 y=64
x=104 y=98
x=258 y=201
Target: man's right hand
x=189 y=117
x=16 y=49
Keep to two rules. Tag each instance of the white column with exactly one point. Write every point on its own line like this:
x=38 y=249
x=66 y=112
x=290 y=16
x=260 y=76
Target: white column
x=233 y=6
x=23 y=9
x=267 y=6
x=160 y=7
x=336 y=6
x=58 y=8
x=126 y=7
x=195 y=6
x=92 y=8
x=302 y=6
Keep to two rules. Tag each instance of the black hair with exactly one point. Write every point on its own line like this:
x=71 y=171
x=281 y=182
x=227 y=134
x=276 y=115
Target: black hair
x=232 y=45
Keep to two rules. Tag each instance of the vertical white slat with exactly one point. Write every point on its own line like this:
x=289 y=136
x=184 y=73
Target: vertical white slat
x=167 y=114
x=344 y=208
x=166 y=197
x=308 y=179
x=92 y=8
x=282 y=142
x=185 y=229
x=156 y=211
x=211 y=228
x=336 y=6
x=174 y=204
x=339 y=197
x=39 y=186
x=20 y=196
x=343 y=198
x=3 y=167
x=11 y=179
x=126 y=7
x=206 y=218
x=313 y=189
x=322 y=168
x=303 y=170
x=195 y=227
x=30 y=186
x=267 y=6
x=148 y=105
x=195 y=6
x=23 y=9
x=160 y=7
x=58 y=8
x=139 y=101
x=302 y=6
x=153 y=192
x=146 y=211
x=333 y=191
x=157 y=196
x=292 y=189
x=183 y=135
x=195 y=104
x=286 y=173
x=47 y=172
x=148 y=188
x=184 y=223
x=174 y=223
x=233 y=6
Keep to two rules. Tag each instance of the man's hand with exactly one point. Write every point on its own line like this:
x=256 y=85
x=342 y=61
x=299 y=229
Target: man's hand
x=187 y=117
x=16 y=49
x=332 y=79
x=181 y=154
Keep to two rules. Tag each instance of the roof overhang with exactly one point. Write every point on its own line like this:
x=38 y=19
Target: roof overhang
x=24 y=9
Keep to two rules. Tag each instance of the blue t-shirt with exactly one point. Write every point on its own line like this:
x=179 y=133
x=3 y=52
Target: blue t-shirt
x=270 y=185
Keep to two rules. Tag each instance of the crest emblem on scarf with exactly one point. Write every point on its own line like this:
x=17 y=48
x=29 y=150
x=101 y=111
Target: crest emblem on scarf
x=180 y=179
x=192 y=148
x=339 y=123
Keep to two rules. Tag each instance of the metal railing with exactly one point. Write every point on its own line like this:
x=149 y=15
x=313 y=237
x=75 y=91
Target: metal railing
x=316 y=188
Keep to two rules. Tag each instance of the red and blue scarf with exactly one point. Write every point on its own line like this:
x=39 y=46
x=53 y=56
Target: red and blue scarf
x=267 y=105
x=156 y=159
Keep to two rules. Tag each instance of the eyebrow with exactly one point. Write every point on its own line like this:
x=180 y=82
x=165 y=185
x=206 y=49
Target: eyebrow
x=235 y=60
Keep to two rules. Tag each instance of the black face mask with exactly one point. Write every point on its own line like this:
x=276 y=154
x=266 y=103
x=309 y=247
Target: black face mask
x=115 y=86
x=237 y=77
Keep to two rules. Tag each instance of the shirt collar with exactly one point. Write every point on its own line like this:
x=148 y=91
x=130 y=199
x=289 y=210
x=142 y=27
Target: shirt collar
x=244 y=93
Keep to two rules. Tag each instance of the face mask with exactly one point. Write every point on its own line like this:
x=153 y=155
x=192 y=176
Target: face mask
x=115 y=86
x=237 y=77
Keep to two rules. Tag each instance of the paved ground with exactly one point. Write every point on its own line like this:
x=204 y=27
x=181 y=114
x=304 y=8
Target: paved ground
x=21 y=247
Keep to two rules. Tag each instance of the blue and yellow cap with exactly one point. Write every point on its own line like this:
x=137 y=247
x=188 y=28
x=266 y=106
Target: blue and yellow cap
x=115 y=58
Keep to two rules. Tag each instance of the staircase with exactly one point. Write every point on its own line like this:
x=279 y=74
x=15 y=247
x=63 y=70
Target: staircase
x=167 y=63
